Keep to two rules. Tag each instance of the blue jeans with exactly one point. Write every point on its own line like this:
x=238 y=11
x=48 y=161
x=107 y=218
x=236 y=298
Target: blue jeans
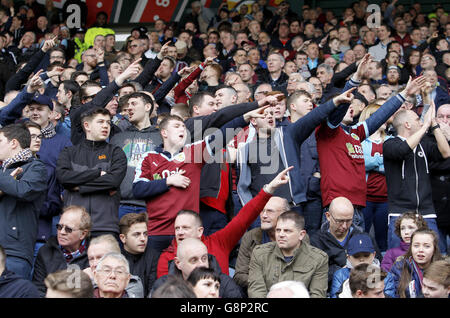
x=125 y=209
x=311 y=210
x=394 y=240
x=377 y=213
x=212 y=219
x=19 y=265
x=160 y=242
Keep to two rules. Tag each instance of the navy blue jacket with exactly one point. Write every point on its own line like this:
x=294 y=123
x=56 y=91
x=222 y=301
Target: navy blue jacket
x=14 y=286
x=20 y=205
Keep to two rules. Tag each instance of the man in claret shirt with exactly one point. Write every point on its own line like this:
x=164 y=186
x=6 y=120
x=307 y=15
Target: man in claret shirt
x=341 y=156
x=168 y=178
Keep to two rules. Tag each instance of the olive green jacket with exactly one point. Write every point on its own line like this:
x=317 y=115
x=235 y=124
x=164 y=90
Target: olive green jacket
x=268 y=267
x=248 y=243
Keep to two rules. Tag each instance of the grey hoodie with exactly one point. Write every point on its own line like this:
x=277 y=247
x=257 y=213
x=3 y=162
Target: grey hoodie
x=135 y=143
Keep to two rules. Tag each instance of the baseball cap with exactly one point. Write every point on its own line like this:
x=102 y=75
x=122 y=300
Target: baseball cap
x=42 y=100
x=360 y=243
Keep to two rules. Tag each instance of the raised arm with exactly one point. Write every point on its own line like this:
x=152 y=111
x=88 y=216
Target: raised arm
x=152 y=65
x=392 y=105
x=13 y=110
x=338 y=114
x=304 y=127
x=22 y=75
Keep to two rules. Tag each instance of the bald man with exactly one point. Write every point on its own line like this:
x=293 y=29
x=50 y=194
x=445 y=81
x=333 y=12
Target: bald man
x=193 y=253
x=407 y=162
x=335 y=234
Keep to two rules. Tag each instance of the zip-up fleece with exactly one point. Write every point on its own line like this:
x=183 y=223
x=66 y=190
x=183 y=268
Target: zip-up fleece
x=407 y=175
x=80 y=166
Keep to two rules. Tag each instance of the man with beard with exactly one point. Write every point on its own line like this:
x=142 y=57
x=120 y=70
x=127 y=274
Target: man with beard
x=393 y=77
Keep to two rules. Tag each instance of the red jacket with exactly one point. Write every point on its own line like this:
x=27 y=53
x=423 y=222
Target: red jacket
x=222 y=242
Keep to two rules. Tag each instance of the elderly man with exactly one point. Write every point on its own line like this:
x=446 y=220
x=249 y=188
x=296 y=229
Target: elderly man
x=68 y=248
x=99 y=247
x=112 y=276
x=287 y=259
x=260 y=235
x=193 y=253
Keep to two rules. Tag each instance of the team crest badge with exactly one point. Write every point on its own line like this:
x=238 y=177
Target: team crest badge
x=180 y=157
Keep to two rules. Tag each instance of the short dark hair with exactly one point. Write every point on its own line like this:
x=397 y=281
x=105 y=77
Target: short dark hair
x=91 y=113
x=200 y=273
x=57 y=49
x=197 y=99
x=129 y=219
x=70 y=85
x=293 y=216
x=18 y=132
x=77 y=73
x=144 y=97
x=193 y=214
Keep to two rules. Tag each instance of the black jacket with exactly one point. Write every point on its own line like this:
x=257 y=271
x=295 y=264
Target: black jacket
x=100 y=100
x=337 y=254
x=228 y=288
x=408 y=175
x=51 y=259
x=440 y=185
x=14 y=286
x=144 y=265
x=80 y=166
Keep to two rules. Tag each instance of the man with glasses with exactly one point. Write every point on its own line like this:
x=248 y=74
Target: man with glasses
x=67 y=250
x=112 y=276
x=57 y=54
x=334 y=235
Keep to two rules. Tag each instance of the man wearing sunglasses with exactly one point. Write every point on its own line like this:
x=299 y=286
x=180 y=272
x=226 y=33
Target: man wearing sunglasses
x=67 y=250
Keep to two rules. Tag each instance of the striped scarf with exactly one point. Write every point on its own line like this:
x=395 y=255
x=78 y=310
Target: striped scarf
x=49 y=131
x=71 y=255
x=22 y=156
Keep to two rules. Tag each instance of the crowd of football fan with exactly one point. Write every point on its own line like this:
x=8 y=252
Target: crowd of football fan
x=254 y=152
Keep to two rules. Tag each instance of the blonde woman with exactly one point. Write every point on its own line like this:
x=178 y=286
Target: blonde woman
x=376 y=210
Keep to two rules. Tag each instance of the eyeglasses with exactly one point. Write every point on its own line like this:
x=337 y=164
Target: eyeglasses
x=134 y=45
x=107 y=271
x=340 y=222
x=36 y=137
x=68 y=229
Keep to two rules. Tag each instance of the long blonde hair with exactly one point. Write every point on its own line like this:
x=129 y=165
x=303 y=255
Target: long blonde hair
x=367 y=112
